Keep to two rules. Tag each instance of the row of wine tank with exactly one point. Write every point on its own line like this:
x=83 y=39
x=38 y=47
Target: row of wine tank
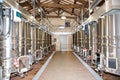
x=21 y=44
x=100 y=40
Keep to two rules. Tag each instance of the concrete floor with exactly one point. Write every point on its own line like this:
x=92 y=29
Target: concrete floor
x=65 y=66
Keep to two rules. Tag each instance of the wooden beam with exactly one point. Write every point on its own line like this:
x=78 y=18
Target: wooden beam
x=69 y=12
x=61 y=5
x=74 y=8
x=82 y=1
x=56 y=1
x=24 y=4
x=54 y=16
x=59 y=11
x=53 y=10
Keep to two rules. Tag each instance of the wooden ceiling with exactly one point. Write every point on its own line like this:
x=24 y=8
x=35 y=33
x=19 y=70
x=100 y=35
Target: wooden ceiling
x=72 y=7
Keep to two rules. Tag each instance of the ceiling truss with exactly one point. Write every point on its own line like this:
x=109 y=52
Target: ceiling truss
x=72 y=7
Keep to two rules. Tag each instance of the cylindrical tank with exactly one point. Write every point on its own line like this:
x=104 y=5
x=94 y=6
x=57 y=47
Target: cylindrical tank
x=103 y=42
x=94 y=38
x=90 y=36
x=41 y=42
x=86 y=37
x=6 y=27
x=78 y=40
x=21 y=38
x=82 y=38
x=75 y=41
x=37 y=39
x=117 y=38
x=113 y=46
x=28 y=38
x=99 y=35
x=33 y=41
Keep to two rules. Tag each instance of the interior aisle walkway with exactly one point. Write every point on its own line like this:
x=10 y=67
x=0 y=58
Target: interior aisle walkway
x=65 y=66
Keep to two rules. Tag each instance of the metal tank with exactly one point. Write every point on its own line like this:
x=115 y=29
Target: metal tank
x=33 y=41
x=50 y=42
x=15 y=47
x=78 y=41
x=99 y=35
x=21 y=39
x=81 y=42
x=23 y=60
x=45 y=43
x=117 y=39
x=86 y=37
x=75 y=41
x=113 y=46
x=102 y=56
x=38 y=53
x=37 y=39
x=90 y=36
x=82 y=38
x=28 y=38
x=6 y=41
x=93 y=26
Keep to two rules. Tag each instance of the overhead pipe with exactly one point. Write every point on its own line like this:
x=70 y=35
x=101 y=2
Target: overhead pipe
x=95 y=3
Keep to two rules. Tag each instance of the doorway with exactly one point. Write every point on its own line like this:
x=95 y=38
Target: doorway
x=63 y=42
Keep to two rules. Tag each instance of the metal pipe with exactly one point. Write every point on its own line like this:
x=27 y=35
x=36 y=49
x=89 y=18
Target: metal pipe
x=95 y=3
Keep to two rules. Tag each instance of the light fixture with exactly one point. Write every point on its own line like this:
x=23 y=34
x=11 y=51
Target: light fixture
x=91 y=10
x=63 y=17
x=39 y=10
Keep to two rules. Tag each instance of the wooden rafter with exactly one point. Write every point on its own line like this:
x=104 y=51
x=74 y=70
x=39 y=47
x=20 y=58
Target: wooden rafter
x=61 y=5
x=45 y=1
x=53 y=16
x=82 y=1
x=66 y=2
x=53 y=10
x=74 y=8
x=56 y=1
x=69 y=12
x=24 y=4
